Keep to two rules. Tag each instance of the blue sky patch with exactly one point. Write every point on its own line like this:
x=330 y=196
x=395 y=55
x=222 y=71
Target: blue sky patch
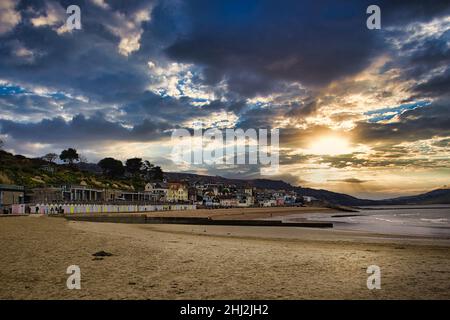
x=388 y=113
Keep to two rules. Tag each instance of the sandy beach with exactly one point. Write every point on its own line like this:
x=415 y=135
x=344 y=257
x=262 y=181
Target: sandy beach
x=213 y=262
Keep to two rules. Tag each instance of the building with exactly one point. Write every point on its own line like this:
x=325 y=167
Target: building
x=157 y=192
x=268 y=203
x=245 y=197
x=193 y=195
x=45 y=195
x=309 y=199
x=9 y=195
x=82 y=193
x=228 y=201
x=210 y=200
x=112 y=195
x=290 y=200
x=177 y=192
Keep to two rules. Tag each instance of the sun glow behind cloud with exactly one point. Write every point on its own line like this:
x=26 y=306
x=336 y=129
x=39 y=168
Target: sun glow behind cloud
x=329 y=145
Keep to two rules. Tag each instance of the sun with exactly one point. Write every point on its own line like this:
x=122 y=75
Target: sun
x=329 y=145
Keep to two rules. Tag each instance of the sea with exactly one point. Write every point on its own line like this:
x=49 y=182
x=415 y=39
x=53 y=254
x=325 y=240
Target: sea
x=424 y=221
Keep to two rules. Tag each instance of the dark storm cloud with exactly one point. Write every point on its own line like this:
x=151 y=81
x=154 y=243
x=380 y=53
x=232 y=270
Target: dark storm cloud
x=436 y=86
x=31 y=105
x=253 y=44
x=81 y=129
x=400 y=12
x=25 y=105
x=83 y=62
x=417 y=124
x=304 y=109
x=174 y=110
x=425 y=60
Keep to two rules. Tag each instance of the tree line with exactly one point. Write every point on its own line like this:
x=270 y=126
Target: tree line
x=114 y=168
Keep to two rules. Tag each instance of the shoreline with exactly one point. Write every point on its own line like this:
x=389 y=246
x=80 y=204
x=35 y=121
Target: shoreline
x=297 y=234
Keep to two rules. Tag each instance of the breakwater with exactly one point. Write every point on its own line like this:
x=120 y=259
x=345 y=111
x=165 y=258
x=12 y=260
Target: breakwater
x=143 y=219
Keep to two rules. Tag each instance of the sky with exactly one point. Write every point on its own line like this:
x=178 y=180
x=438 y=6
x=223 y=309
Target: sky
x=360 y=111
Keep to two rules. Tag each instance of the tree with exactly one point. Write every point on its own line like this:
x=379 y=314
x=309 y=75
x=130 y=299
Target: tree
x=69 y=155
x=157 y=173
x=147 y=166
x=111 y=167
x=50 y=157
x=151 y=171
x=134 y=165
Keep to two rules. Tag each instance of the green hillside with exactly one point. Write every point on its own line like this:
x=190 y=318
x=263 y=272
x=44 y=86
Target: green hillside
x=32 y=173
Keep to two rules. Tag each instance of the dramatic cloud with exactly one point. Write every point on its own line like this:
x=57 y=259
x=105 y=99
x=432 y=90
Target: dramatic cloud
x=354 y=106
x=79 y=129
x=411 y=125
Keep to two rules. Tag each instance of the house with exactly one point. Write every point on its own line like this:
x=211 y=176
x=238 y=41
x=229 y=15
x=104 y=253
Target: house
x=290 y=199
x=269 y=203
x=193 y=195
x=177 y=192
x=245 y=197
x=212 y=187
x=157 y=191
x=247 y=191
x=210 y=200
x=11 y=194
x=245 y=202
x=228 y=201
x=309 y=199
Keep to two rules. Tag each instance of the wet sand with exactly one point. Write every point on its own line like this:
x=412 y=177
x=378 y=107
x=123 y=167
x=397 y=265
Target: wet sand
x=213 y=262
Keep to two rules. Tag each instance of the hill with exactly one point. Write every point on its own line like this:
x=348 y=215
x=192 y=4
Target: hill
x=439 y=196
x=35 y=172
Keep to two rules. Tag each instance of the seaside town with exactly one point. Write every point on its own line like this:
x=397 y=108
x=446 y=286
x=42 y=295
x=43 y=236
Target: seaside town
x=176 y=195
x=156 y=193
x=224 y=154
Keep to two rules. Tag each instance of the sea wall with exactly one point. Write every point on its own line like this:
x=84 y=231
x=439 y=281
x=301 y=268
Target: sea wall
x=96 y=208
x=194 y=221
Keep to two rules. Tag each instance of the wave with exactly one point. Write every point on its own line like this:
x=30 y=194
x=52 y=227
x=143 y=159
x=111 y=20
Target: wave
x=439 y=220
